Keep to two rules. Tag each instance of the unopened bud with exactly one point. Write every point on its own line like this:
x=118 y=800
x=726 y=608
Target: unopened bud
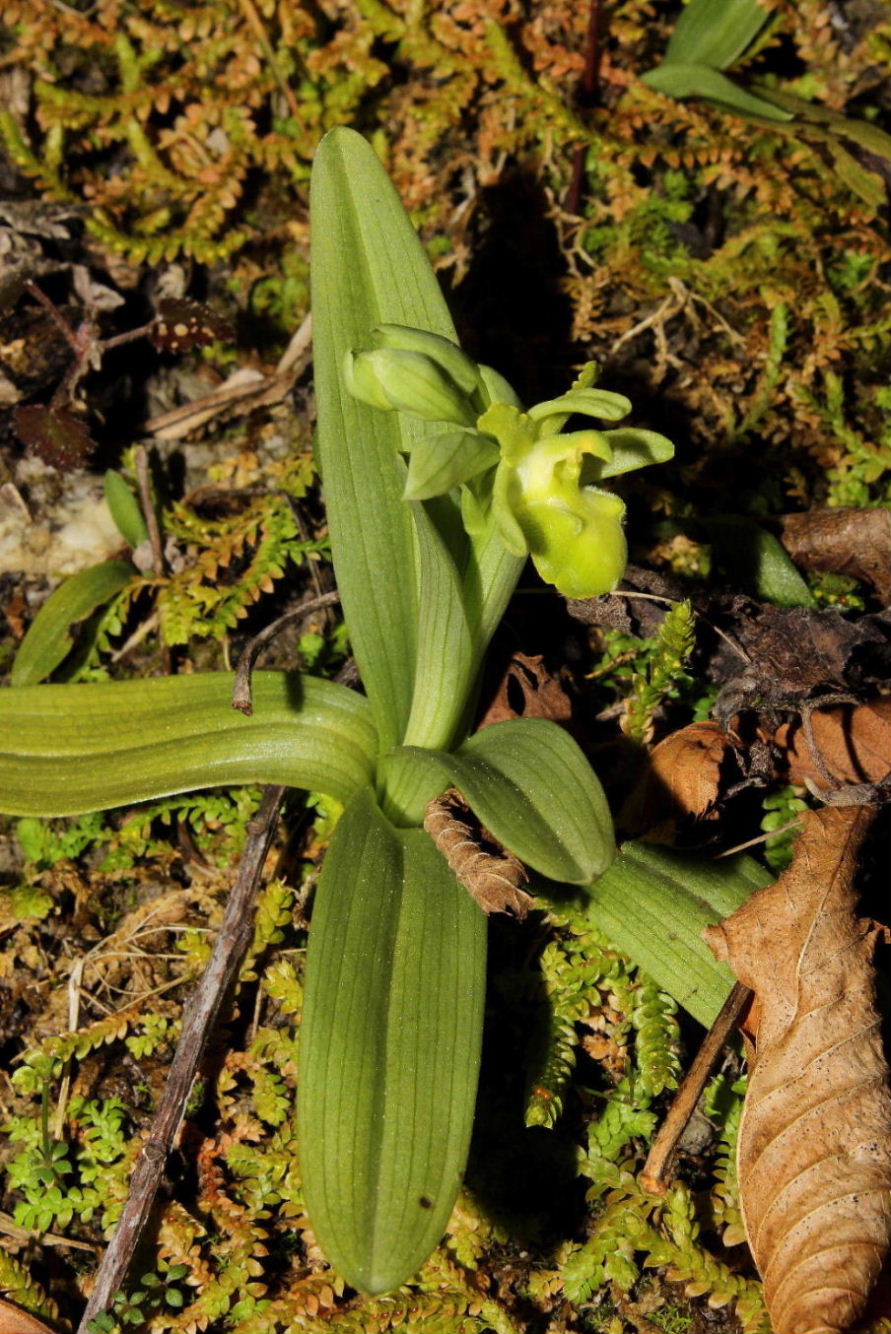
x=400 y=380
x=456 y=364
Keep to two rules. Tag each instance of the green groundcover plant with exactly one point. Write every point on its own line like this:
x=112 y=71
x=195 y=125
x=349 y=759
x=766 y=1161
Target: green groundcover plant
x=437 y=485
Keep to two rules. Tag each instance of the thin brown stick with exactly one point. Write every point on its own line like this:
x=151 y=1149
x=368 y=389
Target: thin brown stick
x=253 y=17
x=241 y=693
x=55 y=315
x=178 y=422
x=198 y=1020
x=589 y=96
x=657 y=1170
x=144 y=484
x=148 y=508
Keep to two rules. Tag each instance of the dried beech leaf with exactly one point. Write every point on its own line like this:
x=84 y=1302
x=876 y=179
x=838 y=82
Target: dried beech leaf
x=855 y=542
x=814 y=1161
x=528 y=691
x=491 y=877
x=683 y=781
x=13 y=1320
x=854 y=743
x=61 y=439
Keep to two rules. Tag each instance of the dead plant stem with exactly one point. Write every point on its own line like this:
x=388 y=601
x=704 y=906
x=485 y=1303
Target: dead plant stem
x=198 y=1020
x=657 y=1170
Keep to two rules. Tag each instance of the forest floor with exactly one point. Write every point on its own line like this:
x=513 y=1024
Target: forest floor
x=730 y=275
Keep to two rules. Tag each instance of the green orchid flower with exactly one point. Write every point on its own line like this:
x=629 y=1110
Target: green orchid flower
x=573 y=532
x=539 y=486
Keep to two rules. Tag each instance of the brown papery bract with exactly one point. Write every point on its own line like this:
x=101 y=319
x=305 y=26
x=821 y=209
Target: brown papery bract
x=491 y=875
x=814 y=1157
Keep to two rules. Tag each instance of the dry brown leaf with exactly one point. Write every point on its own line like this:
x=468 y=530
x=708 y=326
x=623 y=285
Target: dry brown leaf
x=855 y=542
x=13 y=1320
x=683 y=781
x=492 y=878
x=814 y=1158
x=854 y=743
x=528 y=691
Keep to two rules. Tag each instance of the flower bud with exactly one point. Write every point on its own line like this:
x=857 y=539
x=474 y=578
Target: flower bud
x=399 y=380
x=456 y=364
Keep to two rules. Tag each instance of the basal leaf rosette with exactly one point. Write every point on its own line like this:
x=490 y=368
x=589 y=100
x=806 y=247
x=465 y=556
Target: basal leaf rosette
x=540 y=486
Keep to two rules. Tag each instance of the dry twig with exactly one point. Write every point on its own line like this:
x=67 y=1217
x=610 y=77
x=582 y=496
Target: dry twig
x=198 y=1020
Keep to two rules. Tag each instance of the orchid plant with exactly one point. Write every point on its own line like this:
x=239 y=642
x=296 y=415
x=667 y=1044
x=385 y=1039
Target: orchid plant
x=438 y=484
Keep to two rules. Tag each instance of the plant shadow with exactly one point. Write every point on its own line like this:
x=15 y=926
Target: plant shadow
x=524 y=1179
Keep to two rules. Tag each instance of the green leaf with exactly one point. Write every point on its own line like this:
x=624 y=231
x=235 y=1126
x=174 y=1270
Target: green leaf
x=715 y=32
x=50 y=637
x=125 y=509
x=369 y=268
x=679 y=80
x=490 y=578
x=654 y=904
x=806 y=114
x=531 y=786
x=75 y=748
x=389 y=1048
x=447 y=659
x=752 y=558
x=442 y=461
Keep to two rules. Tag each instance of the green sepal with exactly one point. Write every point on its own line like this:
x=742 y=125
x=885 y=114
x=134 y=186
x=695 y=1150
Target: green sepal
x=633 y=448
x=389 y=1047
x=125 y=509
x=497 y=389
x=395 y=380
x=69 y=749
x=600 y=403
x=654 y=903
x=50 y=636
x=457 y=364
x=529 y=784
x=475 y=510
x=439 y=462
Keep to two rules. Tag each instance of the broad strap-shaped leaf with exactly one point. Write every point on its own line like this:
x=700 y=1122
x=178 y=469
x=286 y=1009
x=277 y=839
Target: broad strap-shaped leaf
x=369 y=268
x=757 y=562
x=125 y=509
x=490 y=578
x=807 y=114
x=715 y=32
x=679 y=80
x=50 y=636
x=654 y=904
x=530 y=785
x=446 y=661
x=389 y=1047
x=75 y=748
